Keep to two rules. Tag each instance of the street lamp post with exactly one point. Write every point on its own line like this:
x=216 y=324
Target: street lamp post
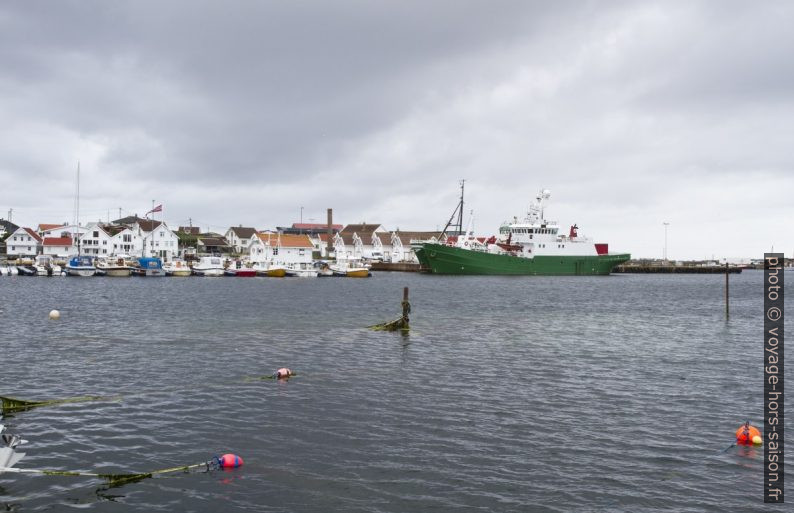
x=666 y=224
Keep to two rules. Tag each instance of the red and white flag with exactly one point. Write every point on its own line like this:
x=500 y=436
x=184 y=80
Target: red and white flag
x=158 y=208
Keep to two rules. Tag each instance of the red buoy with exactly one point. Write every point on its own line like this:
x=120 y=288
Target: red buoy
x=746 y=433
x=230 y=461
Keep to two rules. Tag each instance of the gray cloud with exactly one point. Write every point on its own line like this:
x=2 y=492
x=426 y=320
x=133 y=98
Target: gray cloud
x=241 y=112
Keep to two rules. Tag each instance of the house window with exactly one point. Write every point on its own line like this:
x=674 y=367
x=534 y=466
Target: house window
x=162 y=234
x=275 y=251
x=13 y=248
x=96 y=234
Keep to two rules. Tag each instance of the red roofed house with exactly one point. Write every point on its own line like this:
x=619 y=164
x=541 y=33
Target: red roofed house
x=44 y=227
x=281 y=248
x=61 y=247
x=24 y=242
x=61 y=230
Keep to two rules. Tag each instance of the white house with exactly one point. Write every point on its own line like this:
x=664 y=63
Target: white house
x=23 y=242
x=281 y=248
x=59 y=247
x=381 y=245
x=61 y=230
x=157 y=239
x=358 y=240
x=96 y=241
x=124 y=240
x=239 y=238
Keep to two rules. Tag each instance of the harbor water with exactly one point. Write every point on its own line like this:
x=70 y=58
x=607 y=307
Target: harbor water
x=605 y=393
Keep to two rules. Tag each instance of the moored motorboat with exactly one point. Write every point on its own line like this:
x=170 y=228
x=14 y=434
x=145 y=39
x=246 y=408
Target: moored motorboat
x=26 y=270
x=81 y=265
x=349 y=269
x=240 y=270
x=302 y=270
x=45 y=266
x=323 y=269
x=149 y=266
x=8 y=270
x=177 y=267
x=114 y=268
x=210 y=266
x=270 y=269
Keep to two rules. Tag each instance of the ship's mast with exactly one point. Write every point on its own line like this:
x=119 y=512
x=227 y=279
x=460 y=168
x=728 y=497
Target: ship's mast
x=459 y=211
x=76 y=230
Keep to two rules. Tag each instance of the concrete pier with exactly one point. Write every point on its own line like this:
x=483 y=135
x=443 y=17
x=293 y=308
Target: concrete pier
x=399 y=266
x=675 y=269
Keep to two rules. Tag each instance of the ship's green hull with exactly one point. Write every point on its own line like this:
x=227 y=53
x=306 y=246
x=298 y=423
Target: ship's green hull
x=442 y=259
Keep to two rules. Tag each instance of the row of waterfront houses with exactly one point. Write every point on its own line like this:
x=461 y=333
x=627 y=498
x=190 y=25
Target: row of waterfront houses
x=136 y=237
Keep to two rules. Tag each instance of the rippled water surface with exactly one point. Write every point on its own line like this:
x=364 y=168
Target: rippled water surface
x=616 y=393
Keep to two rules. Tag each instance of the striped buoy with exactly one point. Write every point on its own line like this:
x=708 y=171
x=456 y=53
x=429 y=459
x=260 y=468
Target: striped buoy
x=230 y=461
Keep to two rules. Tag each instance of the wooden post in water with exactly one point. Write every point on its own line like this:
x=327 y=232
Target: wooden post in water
x=727 y=309
x=400 y=323
x=406 y=307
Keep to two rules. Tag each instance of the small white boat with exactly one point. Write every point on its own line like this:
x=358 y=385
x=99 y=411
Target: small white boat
x=116 y=268
x=209 y=266
x=302 y=270
x=323 y=269
x=8 y=270
x=8 y=455
x=81 y=266
x=45 y=266
x=177 y=267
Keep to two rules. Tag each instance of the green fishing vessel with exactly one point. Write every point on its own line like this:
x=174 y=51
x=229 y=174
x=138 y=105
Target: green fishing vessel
x=532 y=246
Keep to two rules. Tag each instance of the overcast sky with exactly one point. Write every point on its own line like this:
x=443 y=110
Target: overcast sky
x=240 y=112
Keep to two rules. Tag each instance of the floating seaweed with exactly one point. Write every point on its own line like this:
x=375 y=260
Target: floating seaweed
x=12 y=405
x=114 y=480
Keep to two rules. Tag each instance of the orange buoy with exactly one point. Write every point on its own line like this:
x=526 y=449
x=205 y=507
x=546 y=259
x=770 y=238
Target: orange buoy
x=283 y=373
x=746 y=433
x=230 y=461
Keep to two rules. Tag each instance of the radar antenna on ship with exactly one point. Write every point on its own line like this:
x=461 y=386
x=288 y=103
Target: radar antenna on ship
x=536 y=209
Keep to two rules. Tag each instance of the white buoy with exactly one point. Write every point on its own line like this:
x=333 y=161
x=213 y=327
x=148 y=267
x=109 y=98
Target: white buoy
x=55 y=314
